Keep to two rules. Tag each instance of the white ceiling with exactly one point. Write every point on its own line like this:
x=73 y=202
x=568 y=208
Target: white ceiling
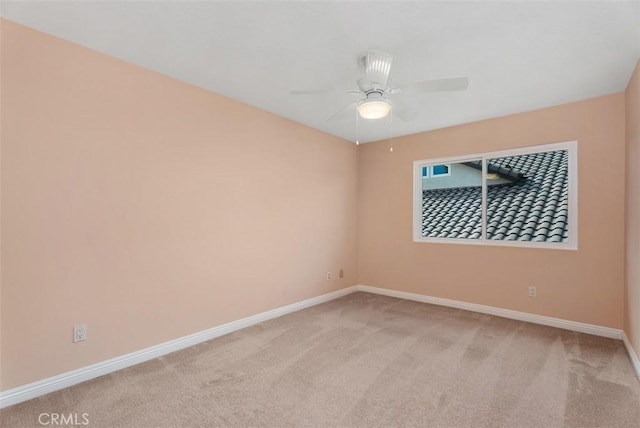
x=517 y=55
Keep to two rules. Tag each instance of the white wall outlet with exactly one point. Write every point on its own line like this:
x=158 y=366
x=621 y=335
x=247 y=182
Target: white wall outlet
x=532 y=291
x=79 y=333
x=328 y=276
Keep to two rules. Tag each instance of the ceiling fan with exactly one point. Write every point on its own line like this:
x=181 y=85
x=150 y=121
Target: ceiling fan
x=377 y=89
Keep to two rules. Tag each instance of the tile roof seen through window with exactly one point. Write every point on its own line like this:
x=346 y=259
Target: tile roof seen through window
x=532 y=208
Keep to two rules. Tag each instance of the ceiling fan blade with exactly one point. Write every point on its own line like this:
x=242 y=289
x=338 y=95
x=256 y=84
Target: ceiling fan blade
x=326 y=91
x=339 y=112
x=403 y=111
x=438 y=85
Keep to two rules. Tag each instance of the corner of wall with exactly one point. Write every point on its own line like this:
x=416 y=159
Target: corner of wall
x=632 y=212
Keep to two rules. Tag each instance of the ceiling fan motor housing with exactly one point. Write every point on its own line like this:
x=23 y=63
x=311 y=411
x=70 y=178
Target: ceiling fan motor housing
x=374 y=95
x=377 y=65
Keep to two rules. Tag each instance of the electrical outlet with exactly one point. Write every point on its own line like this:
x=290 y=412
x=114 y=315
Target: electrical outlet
x=341 y=273
x=328 y=276
x=79 y=333
x=532 y=291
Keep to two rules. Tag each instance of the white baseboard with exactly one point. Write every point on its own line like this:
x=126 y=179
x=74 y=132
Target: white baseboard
x=505 y=313
x=64 y=380
x=635 y=361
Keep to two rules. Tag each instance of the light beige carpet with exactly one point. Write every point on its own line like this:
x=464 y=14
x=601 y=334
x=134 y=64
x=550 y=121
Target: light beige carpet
x=367 y=361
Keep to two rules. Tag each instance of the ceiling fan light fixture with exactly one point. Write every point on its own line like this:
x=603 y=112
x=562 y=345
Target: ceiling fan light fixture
x=374 y=109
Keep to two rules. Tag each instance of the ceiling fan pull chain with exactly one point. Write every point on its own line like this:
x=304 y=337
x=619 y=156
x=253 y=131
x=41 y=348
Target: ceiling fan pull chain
x=357 y=128
x=391 y=136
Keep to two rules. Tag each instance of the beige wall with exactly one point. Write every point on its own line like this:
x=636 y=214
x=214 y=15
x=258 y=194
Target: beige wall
x=632 y=289
x=584 y=285
x=151 y=209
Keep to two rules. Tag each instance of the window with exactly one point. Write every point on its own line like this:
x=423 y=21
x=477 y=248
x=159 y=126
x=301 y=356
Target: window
x=436 y=171
x=440 y=170
x=521 y=197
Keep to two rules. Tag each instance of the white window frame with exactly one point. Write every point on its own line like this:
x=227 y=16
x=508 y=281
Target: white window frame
x=571 y=244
